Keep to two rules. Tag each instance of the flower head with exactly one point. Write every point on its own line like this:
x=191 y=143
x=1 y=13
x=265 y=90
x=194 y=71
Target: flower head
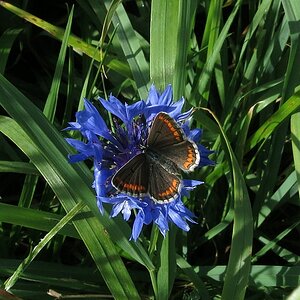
x=129 y=161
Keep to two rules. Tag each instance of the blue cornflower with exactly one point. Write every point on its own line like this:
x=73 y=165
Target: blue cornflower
x=111 y=149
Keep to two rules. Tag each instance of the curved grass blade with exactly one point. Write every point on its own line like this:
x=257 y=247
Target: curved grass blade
x=289 y=107
x=194 y=277
x=92 y=232
x=78 y=44
x=18 y=167
x=35 y=219
x=51 y=102
x=6 y=41
x=10 y=282
x=71 y=183
x=131 y=48
x=238 y=268
x=76 y=177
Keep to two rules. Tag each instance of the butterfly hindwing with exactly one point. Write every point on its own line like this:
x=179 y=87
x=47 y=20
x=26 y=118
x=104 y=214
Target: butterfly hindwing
x=163 y=186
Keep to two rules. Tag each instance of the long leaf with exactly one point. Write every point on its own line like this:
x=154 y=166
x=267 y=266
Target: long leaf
x=131 y=48
x=291 y=106
x=238 y=268
x=51 y=102
x=78 y=44
x=48 y=152
x=92 y=232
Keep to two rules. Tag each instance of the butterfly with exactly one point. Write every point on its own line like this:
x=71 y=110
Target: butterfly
x=155 y=172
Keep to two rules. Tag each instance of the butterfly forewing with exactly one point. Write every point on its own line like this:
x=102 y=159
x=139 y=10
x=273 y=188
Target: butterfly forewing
x=164 y=132
x=168 y=139
x=132 y=178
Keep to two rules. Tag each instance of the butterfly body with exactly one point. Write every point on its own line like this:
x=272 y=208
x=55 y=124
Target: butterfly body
x=154 y=158
x=156 y=171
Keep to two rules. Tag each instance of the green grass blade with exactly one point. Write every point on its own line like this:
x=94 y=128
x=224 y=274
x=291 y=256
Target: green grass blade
x=274 y=242
x=260 y=275
x=211 y=233
x=91 y=230
x=6 y=41
x=48 y=152
x=51 y=102
x=169 y=43
x=163 y=42
x=18 y=167
x=256 y=21
x=28 y=190
x=76 y=278
x=238 y=268
x=270 y=174
x=35 y=219
x=285 y=111
x=186 y=20
x=283 y=192
x=292 y=10
x=201 y=84
x=132 y=49
x=78 y=44
x=285 y=254
x=193 y=276
x=167 y=269
x=295 y=133
x=210 y=35
x=10 y=282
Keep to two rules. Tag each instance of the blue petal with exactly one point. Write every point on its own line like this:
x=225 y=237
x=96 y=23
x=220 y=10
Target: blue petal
x=137 y=225
x=90 y=120
x=117 y=208
x=78 y=145
x=73 y=126
x=134 y=110
x=195 y=135
x=100 y=182
x=184 y=212
x=126 y=211
x=167 y=96
x=176 y=218
x=100 y=206
x=191 y=183
x=162 y=222
x=114 y=106
x=152 y=96
x=123 y=111
x=177 y=107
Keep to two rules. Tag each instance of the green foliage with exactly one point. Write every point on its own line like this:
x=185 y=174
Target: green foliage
x=236 y=63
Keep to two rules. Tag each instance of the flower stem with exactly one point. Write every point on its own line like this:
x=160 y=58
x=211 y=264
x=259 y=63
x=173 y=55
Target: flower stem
x=153 y=240
x=154 y=282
